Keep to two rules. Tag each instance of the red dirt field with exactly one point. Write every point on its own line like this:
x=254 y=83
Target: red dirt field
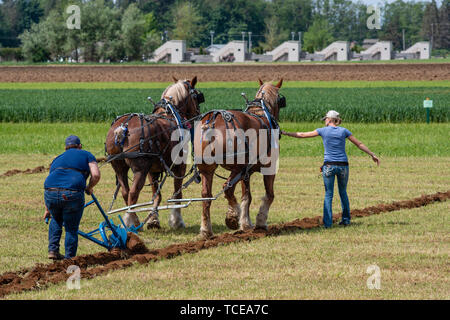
x=239 y=72
x=96 y=264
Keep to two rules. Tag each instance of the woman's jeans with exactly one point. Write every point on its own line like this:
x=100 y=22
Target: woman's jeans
x=66 y=207
x=328 y=174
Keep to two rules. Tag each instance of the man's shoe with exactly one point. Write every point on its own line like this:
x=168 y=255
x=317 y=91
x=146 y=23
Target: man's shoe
x=344 y=223
x=55 y=255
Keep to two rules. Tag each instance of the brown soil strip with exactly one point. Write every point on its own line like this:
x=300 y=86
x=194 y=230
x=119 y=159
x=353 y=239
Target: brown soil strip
x=13 y=172
x=93 y=265
x=231 y=72
x=38 y=169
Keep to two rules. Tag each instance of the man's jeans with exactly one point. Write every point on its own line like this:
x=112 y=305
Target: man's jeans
x=328 y=174
x=65 y=207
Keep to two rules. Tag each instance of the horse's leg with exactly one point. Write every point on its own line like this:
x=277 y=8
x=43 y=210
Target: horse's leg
x=244 y=220
x=153 y=222
x=131 y=218
x=266 y=201
x=234 y=210
x=207 y=175
x=121 y=169
x=175 y=218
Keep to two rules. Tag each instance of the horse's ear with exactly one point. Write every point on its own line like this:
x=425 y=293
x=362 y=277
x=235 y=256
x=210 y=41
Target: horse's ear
x=260 y=82
x=174 y=79
x=194 y=82
x=280 y=83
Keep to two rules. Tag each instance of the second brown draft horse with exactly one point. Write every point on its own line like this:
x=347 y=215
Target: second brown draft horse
x=218 y=148
x=143 y=143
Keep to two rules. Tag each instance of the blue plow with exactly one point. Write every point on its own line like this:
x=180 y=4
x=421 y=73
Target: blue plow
x=111 y=235
x=117 y=233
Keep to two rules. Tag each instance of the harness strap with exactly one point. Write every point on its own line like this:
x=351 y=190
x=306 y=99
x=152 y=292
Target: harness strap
x=177 y=119
x=83 y=172
x=141 y=140
x=238 y=177
x=124 y=126
x=130 y=155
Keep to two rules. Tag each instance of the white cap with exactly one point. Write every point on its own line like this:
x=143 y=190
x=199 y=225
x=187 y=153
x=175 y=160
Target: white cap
x=332 y=115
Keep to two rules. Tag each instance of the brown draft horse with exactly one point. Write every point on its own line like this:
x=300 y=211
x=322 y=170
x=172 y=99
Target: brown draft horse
x=143 y=142
x=253 y=118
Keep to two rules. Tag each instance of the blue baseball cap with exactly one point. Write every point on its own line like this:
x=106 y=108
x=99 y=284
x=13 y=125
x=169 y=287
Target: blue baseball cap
x=72 y=140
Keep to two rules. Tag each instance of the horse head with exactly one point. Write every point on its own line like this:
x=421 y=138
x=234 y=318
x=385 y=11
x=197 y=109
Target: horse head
x=271 y=96
x=184 y=97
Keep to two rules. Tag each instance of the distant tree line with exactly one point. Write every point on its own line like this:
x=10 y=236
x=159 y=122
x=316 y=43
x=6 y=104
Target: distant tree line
x=132 y=29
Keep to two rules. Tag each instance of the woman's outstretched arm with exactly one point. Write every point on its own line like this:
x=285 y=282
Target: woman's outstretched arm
x=362 y=147
x=309 y=134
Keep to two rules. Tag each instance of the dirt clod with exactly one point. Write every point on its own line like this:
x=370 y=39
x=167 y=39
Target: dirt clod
x=135 y=244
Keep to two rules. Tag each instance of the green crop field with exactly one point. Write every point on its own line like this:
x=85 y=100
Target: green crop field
x=356 y=101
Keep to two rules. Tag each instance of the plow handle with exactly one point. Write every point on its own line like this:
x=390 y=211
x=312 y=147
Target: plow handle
x=108 y=223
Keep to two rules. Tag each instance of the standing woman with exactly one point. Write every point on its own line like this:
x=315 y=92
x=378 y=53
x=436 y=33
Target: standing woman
x=335 y=162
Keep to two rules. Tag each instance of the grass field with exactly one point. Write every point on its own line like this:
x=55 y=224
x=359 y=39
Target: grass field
x=411 y=252
x=411 y=247
x=366 y=102
x=386 y=139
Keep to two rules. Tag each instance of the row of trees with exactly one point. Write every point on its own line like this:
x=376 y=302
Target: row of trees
x=106 y=33
x=113 y=30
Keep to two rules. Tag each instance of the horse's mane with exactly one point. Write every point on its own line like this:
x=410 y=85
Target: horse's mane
x=271 y=93
x=177 y=91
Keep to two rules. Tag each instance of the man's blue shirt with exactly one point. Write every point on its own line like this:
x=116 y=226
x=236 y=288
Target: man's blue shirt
x=334 y=143
x=70 y=170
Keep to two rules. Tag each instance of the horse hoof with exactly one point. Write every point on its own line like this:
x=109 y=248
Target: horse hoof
x=153 y=225
x=177 y=225
x=205 y=235
x=246 y=227
x=261 y=228
x=232 y=222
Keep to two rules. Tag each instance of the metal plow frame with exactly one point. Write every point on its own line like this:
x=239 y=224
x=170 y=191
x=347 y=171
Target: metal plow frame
x=133 y=209
x=118 y=236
